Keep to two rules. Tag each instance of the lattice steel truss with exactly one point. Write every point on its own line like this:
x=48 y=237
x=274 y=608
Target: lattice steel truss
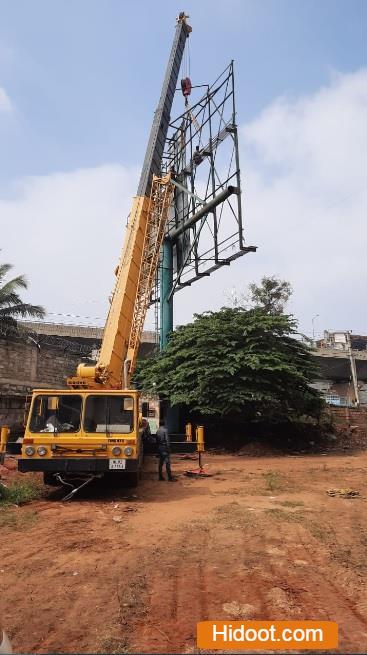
x=161 y=199
x=205 y=223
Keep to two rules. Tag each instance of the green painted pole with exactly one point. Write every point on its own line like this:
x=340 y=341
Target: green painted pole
x=166 y=311
x=166 y=306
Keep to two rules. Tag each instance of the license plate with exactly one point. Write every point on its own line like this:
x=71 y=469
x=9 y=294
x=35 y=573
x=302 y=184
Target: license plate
x=117 y=463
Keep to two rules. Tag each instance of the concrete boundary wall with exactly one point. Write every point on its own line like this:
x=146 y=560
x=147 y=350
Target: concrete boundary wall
x=350 y=425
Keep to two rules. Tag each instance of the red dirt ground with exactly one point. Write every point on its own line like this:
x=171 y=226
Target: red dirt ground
x=260 y=539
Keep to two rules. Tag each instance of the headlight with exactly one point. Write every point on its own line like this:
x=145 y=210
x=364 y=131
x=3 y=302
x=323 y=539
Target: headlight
x=116 y=450
x=42 y=451
x=29 y=450
x=128 y=450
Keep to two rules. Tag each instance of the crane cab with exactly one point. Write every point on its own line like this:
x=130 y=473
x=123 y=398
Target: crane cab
x=70 y=432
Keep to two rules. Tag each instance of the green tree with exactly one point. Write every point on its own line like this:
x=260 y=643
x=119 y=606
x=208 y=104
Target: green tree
x=12 y=308
x=245 y=365
x=271 y=294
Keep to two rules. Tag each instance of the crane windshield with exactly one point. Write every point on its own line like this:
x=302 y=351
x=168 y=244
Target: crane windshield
x=109 y=414
x=56 y=413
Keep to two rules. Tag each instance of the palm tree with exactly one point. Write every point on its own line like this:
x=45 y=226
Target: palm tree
x=11 y=306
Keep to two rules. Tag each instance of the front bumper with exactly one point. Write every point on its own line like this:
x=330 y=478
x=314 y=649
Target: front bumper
x=74 y=465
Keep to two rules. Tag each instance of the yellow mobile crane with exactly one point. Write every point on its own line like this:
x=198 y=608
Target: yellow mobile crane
x=93 y=426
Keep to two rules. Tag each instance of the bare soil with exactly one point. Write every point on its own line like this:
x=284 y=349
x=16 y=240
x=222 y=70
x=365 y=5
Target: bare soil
x=134 y=570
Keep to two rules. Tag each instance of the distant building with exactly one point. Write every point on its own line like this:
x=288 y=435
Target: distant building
x=342 y=357
x=343 y=340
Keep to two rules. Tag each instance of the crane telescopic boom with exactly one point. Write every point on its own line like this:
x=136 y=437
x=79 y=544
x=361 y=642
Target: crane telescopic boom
x=140 y=253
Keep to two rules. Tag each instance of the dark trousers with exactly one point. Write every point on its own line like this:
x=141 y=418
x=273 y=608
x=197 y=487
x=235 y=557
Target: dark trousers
x=164 y=459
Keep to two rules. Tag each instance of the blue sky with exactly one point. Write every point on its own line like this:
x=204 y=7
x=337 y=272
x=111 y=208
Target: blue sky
x=82 y=80
x=85 y=75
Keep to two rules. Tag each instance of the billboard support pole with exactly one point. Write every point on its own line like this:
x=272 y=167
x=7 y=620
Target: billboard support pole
x=166 y=327
x=166 y=304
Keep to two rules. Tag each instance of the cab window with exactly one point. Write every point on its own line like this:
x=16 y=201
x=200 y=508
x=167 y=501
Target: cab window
x=56 y=413
x=109 y=414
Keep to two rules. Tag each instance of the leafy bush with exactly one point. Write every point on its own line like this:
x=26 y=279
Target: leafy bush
x=19 y=492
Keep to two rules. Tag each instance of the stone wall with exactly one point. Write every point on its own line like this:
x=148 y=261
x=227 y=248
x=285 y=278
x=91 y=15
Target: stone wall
x=351 y=426
x=24 y=367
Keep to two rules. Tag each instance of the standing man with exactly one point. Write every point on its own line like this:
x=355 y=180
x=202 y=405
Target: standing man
x=163 y=446
x=146 y=435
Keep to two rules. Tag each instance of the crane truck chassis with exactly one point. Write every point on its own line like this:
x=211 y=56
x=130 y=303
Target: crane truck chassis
x=84 y=432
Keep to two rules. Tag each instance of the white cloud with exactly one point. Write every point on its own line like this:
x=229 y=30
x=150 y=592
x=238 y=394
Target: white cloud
x=316 y=136
x=304 y=164
x=64 y=231
x=6 y=106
